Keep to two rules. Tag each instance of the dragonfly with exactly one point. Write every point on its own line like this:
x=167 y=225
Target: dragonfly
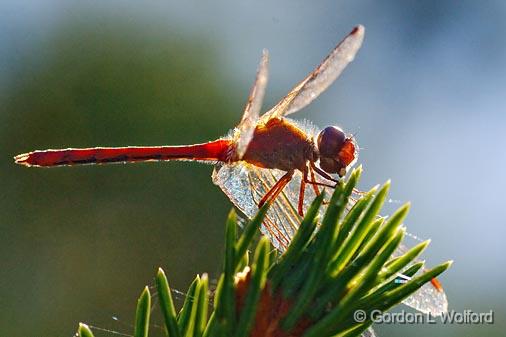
x=266 y=158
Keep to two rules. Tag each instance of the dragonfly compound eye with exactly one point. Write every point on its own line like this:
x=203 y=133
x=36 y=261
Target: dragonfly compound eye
x=330 y=141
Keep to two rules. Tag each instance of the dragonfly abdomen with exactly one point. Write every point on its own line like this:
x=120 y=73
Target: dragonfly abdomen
x=218 y=150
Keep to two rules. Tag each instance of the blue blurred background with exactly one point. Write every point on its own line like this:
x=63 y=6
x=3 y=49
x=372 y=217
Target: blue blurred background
x=426 y=97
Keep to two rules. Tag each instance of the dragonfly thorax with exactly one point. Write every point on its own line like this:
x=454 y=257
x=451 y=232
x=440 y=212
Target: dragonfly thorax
x=280 y=144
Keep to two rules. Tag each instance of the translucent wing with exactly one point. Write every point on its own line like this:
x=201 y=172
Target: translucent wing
x=428 y=299
x=253 y=106
x=368 y=333
x=321 y=78
x=245 y=185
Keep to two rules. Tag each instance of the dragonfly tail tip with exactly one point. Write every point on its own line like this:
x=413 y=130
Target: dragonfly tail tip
x=23 y=159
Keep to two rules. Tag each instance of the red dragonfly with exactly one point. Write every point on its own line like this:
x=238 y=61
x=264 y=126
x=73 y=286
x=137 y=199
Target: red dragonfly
x=264 y=159
x=271 y=142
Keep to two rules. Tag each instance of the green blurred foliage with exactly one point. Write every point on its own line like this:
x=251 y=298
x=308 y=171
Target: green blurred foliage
x=78 y=243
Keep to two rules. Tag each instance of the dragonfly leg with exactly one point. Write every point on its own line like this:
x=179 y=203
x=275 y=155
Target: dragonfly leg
x=317 y=183
x=315 y=187
x=324 y=174
x=302 y=190
x=328 y=177
x=305 y=180
x=276 y=189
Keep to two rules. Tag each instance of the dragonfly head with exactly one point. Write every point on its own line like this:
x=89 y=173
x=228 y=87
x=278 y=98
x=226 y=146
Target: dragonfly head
x=337 y=151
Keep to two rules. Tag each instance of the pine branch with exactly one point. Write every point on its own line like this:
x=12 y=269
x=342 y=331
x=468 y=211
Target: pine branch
x=330 y=270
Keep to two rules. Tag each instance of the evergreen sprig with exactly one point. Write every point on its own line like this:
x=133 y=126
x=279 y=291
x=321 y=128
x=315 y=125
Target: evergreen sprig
x=333 y=267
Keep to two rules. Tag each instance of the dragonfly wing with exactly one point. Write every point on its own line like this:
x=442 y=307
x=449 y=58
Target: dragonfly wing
x=322 y=77
x=368 y=333
x=252 y=110
x=245 y=185
x=428 y=299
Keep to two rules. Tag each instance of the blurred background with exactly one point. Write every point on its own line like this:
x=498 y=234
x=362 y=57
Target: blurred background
x=425 y=96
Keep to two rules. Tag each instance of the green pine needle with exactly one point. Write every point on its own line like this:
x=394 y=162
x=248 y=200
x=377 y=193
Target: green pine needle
x=142 y=314
x=166 y=304
x=84 y=331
